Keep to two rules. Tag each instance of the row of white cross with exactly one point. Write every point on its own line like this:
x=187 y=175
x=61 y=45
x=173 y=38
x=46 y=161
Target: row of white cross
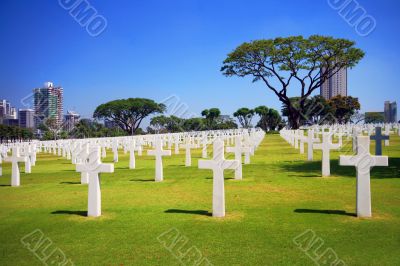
x=362 y=160
x=87 y=154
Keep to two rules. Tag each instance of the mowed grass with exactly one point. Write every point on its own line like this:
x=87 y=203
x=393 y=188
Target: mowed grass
x=280 y=197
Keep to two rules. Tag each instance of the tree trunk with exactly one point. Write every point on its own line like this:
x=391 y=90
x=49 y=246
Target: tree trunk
x=294 y=117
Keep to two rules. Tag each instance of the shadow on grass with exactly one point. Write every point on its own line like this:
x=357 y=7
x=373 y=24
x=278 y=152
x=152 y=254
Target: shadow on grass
x=314 y=169
x=79 y=213
x=226 y=178
x=70 y=183
x=143 y=180
x=198 y=212
x=335 y=212
x=5 y=185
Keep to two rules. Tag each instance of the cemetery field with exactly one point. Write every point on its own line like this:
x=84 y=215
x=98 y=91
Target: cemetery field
x=280 y=197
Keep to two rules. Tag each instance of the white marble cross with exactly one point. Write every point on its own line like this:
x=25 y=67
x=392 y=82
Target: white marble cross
x=326 y=146
x=188 y=158
x=82 y=158
x=387 y=133
x=204 y=142
x=218 y=164
x=363 y=162
x=115 y=151
x=238 y=150
x=176 y=143
x=310 y=140
x=158 y=152
x=15 y=159
x=356 y=133
x=301 y=141
x=340 y=135
x=296 y=139
x=246 y=149
x=132 y=160
x=103 y=152
x=26 y=151
x=94 y=167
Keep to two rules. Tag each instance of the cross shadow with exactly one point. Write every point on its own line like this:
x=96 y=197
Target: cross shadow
x=225 y=178
x=313 y=169
x=79 y=213
x=71 y=183
x=335 y=212
x=197 y=212
x=5 y=185
x=142 y=180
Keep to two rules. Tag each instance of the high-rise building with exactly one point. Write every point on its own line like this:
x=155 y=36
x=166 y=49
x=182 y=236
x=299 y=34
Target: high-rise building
x=8 y=114
x=335 y=85
x=26 y=118
x=390 y=112
x=6 y=109
x=48 y=103
x=71 y=119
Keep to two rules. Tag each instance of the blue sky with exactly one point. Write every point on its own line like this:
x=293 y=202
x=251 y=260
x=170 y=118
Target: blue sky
x=155 y=49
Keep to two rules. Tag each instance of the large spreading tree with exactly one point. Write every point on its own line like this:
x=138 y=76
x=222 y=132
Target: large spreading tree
x=128 y=114
x=293 y=62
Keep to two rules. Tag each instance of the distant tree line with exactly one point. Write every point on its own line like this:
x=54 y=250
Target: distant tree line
x=128 y=114
x=85 y=128
x=14 y=133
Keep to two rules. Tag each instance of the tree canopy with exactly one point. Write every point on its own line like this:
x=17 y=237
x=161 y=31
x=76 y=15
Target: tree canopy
x=292 y=62
x=211 y=116
x=128 y=114
x=244 y=115
x=339 y=109
x=13 y=133
x=270 y=119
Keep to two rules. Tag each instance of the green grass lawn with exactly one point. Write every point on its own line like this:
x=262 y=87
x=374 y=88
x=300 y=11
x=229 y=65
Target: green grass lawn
x=280 y=197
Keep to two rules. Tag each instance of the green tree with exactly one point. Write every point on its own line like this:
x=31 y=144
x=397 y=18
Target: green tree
x=374 y=117
x=158 y=123
x=211 y=116
x=226 y=124
x=51 y=128
x=128 y=114
x=194 y=124
x=83 y=129
x=292 y=62
x=270 y=119
x=343 y=108
x=174 y=124
x=164 y=124
x=244 y=115
x=262 y=112
x=316 y=110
